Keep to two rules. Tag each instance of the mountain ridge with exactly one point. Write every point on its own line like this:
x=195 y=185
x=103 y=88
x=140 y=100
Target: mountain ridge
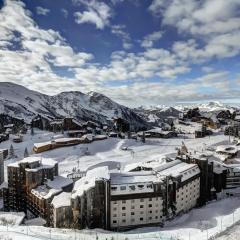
x=21 y=102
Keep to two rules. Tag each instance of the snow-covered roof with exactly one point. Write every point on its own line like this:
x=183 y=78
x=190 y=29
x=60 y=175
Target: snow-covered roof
x=178 y=168
x=228 y=149
x=59 y=182
x=43 y=162
x=65 y=140
x=43 y=192
x=51 y=188
x=89 y=180
x=133 y=177
x=62 y=200
x=99 y=137
x=9 y=126
x=147 y=164
x=42 y=144
x=88 y=137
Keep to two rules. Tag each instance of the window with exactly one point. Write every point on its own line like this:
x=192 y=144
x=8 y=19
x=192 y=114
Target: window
x=115 y=202
x=150 y=211
x=123 y=201
x=132 y=207
x=149 y=186
x=114 y=221
x=132 y=187
x=150 y=199
x=114 y=215
x=115 y=209
x=132 y=213
x=156 y=217
x=150 y=218
x=123 y=208
x=141 y=219
x=124 y=220
x=123 y=214
x=141 y=200
x=156 y=211
x=123 y=188
x=132 y=201
x=156 y=198
x=114 y=188
x=149 y=205
x=140 y=186
x=141 y=206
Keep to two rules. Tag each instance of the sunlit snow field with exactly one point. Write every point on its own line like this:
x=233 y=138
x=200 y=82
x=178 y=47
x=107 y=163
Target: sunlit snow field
x=201 y=223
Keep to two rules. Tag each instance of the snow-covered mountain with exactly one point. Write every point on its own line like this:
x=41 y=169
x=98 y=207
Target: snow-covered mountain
x=157 y=114
x=20 y=102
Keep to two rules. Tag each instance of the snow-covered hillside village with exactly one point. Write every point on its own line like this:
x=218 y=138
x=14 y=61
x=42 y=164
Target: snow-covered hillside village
x=78 y=166
x=119 y=119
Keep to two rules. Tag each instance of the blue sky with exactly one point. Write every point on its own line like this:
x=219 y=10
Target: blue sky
x=138 y=52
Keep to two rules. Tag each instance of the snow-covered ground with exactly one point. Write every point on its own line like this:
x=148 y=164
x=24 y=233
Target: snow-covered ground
x=87 y=155
x=197 y=224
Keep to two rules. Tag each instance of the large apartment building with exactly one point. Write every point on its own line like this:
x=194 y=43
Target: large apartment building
x=124 y=200
x=103 y=199
x=136 y=198
x=25 y=175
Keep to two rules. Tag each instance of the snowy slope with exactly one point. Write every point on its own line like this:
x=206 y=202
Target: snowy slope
x=157 y=114
x=20 y=102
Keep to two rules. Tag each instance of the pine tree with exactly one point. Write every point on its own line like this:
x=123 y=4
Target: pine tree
x=11 y=152
x=32 y=131
x=26 y=153
x=143 y=137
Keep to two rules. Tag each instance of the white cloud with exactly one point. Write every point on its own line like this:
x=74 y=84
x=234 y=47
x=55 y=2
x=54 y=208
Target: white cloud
x=42 y=11
x=215 y=22
x=64 y=12
x=97 y=13
x=149 y=40
x=199 y=17
x=40 y=50
x=119 y=30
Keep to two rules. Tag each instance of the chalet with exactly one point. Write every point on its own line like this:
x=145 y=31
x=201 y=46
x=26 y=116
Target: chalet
x=224 y=116
x=41 y=122
x=18 y=138
x=192 y=113
x=4 y=137
x=71 y=124
x=232 y=130
x=121 y=125
x=76 y=133
x=113 y=134
x=11 y=123
x=202 y=132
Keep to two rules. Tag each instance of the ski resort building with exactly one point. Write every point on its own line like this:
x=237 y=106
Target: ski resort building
x=40 y=198
x=25 y=175
x=3 y=155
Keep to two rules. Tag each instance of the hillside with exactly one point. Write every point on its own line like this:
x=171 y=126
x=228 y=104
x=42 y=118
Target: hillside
x=20 y=102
